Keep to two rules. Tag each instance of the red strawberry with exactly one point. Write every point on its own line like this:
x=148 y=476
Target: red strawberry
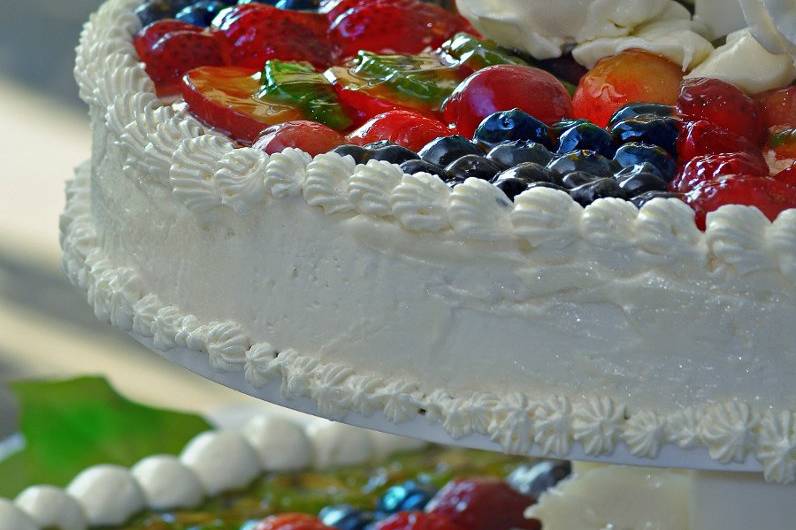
x=769 y=195
x=722 y=104
x=633 y=76
x=782 y=140
x=394 y=26
x=778 y=107
x=417 y=521
x=362 y=105
x=258 y=32
x=787 y=176
x=309 y=136
x=483 y=504
x=147 y=37
x=291 y=521
x=505 y=87
x=707 y=168
x=701 y=137
x=223 y=97
x=403 y=127
x=177 y=53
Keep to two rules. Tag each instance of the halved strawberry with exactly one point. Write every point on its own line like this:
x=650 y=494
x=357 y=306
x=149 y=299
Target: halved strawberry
x=178 y=52
x=259 y=32
x=224 y=98
x=701 y=137
x=394 y=26
x=309 y=136
x=406 y=128
x=707 y=168
x=148 y=36
x=778 y=107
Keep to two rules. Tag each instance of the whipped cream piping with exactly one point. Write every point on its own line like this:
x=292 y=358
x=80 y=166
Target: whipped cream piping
x=170 y=149
x=731 y=431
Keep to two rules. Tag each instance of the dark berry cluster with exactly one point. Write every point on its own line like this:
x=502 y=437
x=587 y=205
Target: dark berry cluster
x=633 y=159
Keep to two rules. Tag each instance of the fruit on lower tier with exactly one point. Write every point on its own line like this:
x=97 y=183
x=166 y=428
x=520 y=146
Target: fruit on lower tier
x=222 y=97
x=417 y=521
x=483 y=504
x=291 y=521
x=632 y=76
x=504 y=87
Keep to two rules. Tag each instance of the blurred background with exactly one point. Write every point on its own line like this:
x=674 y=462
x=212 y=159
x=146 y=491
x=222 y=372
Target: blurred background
x=46 y=327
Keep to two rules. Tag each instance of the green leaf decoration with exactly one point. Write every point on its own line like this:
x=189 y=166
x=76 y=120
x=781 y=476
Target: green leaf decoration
x=416 y=77
x=73 y=424
x=299 y=85
x=466 y=50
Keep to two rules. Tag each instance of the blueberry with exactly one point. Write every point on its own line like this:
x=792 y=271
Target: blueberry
x=517 y=179
x=394 y=153
x=560 y=126
x=509 y=126
x=634 y=154
x=598 y=189
x=644 y=167
x=549 y=185
x=642 y=182
x=201 y=13
x=345 y=517
x=644 y=198
x=379 y=144
x=578 y=178
x=585 y=160
x=411 y=167
x=511 y=154
x=533 y=480
x=634 y=110
x=299 y=5
x=360 y=154
x=155 y=10
x=653 y=130
x=587 y=136
x=269 y=2
x=407 y=497
x=447 y=149
x=529 y=172
x=473 y=166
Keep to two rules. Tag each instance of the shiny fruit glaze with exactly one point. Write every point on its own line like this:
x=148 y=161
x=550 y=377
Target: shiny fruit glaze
x=224 y=99
x=633 y=76
x=309 y=136
x=406 y=128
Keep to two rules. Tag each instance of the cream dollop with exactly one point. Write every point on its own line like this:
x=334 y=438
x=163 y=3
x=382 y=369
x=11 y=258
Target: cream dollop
x=281 y=444
x=13 y=518
x=744 y=62
x=108 y=494
x=337 y=444
x=167 y=483
x=222 y=460
x=51 y=507
x=773 y=23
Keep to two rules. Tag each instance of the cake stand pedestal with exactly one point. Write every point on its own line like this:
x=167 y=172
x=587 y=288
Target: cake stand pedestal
x=722 y=497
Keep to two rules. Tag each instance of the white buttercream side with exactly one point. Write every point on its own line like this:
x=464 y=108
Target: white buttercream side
x=108 y=494
x=167 y=483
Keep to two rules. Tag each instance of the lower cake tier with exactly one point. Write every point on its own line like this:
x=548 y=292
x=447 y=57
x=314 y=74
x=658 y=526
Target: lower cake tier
x=597 y=341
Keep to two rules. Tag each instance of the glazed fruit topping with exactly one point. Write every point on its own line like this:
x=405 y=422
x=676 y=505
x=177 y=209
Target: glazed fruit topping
x=510 y=126
x=769 y=195
x=633 y=76
x=778 y=107
x=179 y=52
x=300 y=86
x=291 y=521
x=782 y=141
x=393 y=26
x=483 y=505
x=417 y=521
x=471 y=54
x=505 y=87
x=309 y=136
x=707 y=168
x=203 y=12
x=407 y=128
x=702 y=137
x=223 y=97
x=721 y=104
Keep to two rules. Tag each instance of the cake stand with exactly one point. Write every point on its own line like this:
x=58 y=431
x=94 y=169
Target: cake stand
x=723 y=497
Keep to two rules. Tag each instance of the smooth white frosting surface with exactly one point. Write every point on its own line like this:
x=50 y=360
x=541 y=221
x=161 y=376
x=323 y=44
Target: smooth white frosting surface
x=367 y=290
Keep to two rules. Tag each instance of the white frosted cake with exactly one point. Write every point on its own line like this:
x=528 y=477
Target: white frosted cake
x=542 y=323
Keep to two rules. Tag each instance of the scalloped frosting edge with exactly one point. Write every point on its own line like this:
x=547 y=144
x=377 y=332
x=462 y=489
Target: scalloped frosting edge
x=732 y=432
x=205 y=171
